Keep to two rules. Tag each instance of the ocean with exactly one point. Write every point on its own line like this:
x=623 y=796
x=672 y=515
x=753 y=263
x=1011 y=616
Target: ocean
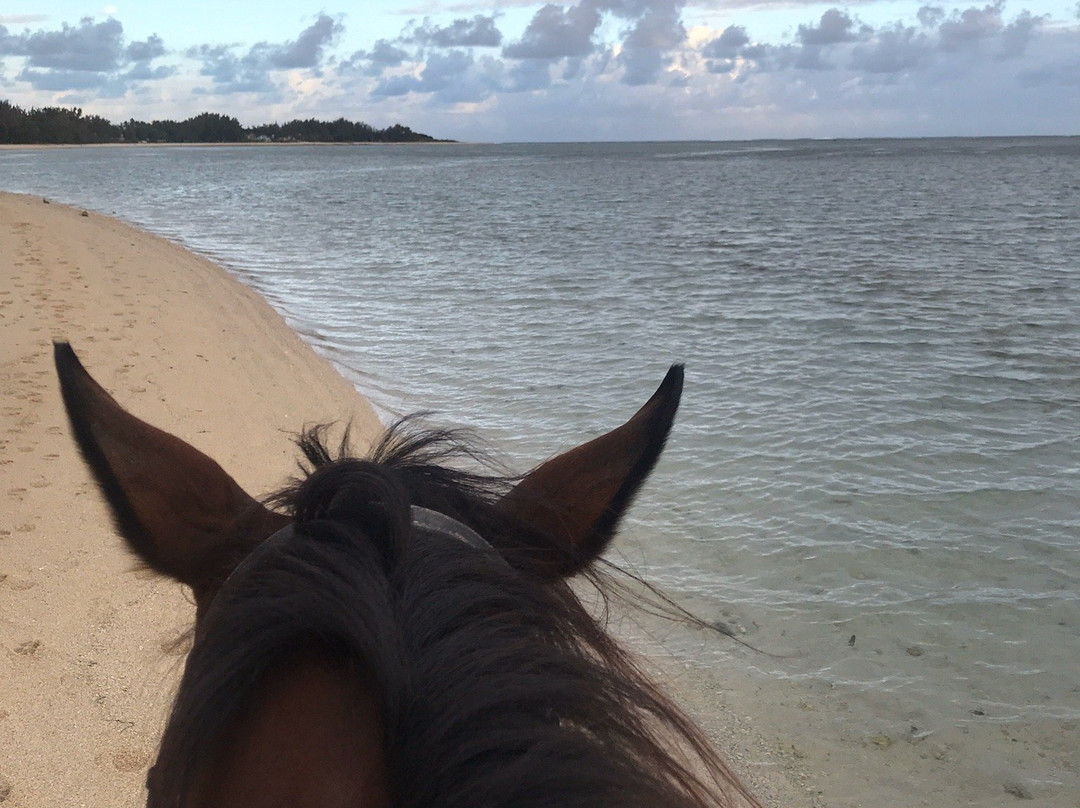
x=875 y=472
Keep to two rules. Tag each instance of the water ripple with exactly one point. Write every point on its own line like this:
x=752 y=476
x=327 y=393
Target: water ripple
x=881 y=425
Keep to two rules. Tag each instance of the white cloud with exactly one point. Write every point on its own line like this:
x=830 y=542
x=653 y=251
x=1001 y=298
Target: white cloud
x=480 y=31
x=593 y=69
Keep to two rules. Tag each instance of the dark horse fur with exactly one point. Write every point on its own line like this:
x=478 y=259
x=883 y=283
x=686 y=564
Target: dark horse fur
x=361 y=661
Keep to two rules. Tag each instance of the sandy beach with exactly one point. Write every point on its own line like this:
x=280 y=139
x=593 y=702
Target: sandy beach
x=88 y=659
x=89 y=651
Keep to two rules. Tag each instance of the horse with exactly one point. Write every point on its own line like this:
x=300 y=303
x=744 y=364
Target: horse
x=395 y=629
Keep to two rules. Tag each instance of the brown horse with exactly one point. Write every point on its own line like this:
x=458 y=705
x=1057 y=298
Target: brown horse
x=398 y=632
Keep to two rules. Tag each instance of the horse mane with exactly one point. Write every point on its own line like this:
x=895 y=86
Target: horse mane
x=497 y=687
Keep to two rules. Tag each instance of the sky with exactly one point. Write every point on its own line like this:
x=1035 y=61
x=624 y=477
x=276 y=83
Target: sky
x=517 y=70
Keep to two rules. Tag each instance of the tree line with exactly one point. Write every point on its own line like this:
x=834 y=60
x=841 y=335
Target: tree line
x=68 y=125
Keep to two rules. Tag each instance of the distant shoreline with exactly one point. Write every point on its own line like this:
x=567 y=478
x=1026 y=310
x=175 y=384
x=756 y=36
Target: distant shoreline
x=437 y=142
x=245 y=144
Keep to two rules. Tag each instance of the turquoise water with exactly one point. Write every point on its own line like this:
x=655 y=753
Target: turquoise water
x=880 y=434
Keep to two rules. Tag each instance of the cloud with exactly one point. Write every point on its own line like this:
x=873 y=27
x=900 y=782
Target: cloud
x=308 y=49
x=599 y=68
x=442 y=69
x=657 y=30
x=835 y=27
x=893 y=50
x=930 y=16
x=529 y=75
x=84 y=56
x=383 y=55
x=1066 y=74
x=449 y=78
x=392 y=86
x=253 y=71
x=555 y=33
x=144 y=51
x=61 y=80
x=969 y=71
x=231 y=73
x=947 y=43
x=22 y=19
x=479 y=32
x=727 y=45
x=87 y=47
x=141 y=54
x=1056 y=68
x=654 y=30
x=965 y=28
x=1017 y=34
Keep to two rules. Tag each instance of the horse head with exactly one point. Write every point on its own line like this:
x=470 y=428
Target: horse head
x=394 y=630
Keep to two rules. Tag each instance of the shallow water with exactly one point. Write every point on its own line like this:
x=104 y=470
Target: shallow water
x=880 y=433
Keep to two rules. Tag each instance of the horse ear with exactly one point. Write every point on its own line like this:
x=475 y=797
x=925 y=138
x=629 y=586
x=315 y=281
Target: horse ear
x=578 y=497
x=178 y=510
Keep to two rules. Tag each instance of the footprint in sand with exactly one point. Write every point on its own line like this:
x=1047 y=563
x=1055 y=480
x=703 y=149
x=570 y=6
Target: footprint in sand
x=5 y=788
x=129 y=760
x=28 y=648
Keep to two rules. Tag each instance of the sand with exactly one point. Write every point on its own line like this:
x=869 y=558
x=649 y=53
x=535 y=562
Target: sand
x=89 y=658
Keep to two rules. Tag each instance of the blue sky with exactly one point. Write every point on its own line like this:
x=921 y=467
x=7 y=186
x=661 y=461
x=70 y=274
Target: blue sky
x=584 y=70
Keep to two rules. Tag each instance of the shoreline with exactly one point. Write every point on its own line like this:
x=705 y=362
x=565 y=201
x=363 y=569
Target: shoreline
x=245 y=143
x=89 y=646
x=439 y=142
x=92 y=646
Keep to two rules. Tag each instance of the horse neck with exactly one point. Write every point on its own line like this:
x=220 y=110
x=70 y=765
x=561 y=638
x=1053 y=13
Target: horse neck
x=312 y=737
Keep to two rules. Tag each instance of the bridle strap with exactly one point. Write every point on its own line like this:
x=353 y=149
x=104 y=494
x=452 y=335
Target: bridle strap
x=443 y=525
x=422 y=518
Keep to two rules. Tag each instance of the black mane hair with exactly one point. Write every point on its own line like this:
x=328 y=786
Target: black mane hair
x=493 y=679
